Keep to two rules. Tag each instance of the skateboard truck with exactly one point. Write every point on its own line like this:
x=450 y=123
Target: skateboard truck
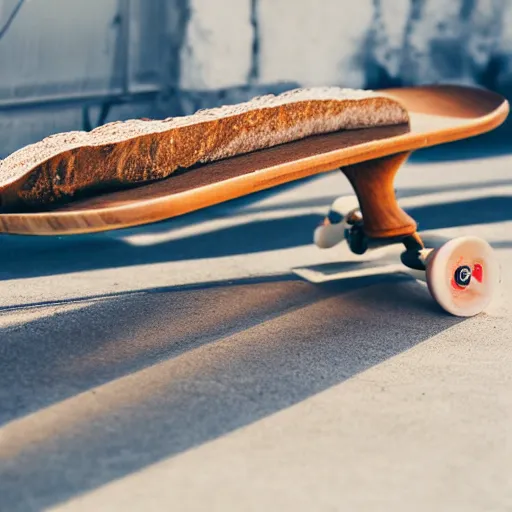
x=461 y=273
x=384 y=222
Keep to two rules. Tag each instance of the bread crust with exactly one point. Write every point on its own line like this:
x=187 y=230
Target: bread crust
x=121 y=154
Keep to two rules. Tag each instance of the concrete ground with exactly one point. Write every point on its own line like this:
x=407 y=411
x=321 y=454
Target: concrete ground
x=183 y=366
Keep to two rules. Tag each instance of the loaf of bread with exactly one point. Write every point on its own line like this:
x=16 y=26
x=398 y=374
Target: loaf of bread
x=121 y=154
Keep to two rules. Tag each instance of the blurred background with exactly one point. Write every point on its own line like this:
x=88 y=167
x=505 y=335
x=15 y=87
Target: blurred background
x=76 y=64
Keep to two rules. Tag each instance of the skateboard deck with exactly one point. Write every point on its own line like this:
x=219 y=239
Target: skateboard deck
x=438 y=114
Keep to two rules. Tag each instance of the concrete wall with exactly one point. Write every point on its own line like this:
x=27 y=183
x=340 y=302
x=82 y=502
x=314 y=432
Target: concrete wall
x=202 y=53
x=353 y=43
x=68 y=48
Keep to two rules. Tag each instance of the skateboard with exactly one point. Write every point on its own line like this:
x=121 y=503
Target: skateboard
x=461 y=274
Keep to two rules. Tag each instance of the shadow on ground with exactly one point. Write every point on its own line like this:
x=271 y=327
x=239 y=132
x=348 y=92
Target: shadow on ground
x=166 y=380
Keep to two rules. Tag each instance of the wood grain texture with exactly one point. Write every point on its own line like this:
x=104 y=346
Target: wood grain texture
x=438 y=114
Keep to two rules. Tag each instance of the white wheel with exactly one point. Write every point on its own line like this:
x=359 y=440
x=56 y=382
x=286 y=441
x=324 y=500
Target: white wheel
x=328 y=235
x=332 y=230
x=344 y=205
x=462 y=275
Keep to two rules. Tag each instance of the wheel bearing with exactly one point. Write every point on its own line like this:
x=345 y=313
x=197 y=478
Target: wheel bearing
x=462 y=276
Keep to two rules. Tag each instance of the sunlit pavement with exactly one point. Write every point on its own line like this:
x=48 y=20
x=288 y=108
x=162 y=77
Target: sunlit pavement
x=184 y=366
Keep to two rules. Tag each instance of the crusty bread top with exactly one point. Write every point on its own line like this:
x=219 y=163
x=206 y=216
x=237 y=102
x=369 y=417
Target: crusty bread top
x=21 y=162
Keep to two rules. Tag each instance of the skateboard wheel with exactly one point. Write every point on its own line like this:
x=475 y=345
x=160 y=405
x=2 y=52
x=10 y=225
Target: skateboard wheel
x=332 y=230
x=329 y=235
x=462 y=275
x=344 y=204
